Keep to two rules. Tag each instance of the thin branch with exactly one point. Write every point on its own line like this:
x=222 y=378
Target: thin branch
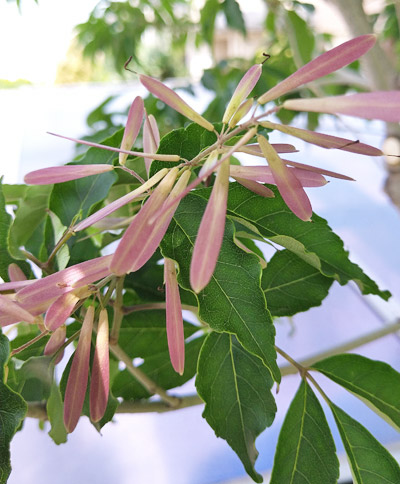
x=153 y=306
x=29 y=343
x=38 y=409
x=351 y=345
x=143 y=379
x=48 y=265
x=298 y=367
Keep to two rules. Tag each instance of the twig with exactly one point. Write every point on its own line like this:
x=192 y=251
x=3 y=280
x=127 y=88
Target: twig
x=351 y=345
x=29 y=343
x=153 y=306
x=38 y=409
x=143 y=379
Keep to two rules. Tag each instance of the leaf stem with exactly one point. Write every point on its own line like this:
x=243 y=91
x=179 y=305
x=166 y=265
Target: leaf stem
x=29 y=343
x=299 y=367
x=153 y=306
x=47 y=266
x=38 y=409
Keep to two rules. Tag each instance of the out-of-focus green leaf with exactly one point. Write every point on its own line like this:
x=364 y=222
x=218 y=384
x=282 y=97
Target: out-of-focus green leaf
x=34 y=378
x=234 y=16
x=59 y=229
x=55 y=411
x=301 y=38
x=5 y=257
x=29 y=215
x=207 y=19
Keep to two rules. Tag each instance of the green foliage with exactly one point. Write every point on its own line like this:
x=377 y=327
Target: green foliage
x=54 y=409
x=375 y=382
x=12 y=412
x=30 y=215
x=292 y=285
x=5 y=257
x=231 y=350
x=305 y=451
x=235 y=387
x=317 y=245
x=225 y=305
x=370 y=462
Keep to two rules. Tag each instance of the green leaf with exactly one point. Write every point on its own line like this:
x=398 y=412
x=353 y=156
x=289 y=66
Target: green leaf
x=291 y=285
x=30 y=214
x=59 y=229
x=12 y=411
x=185 y=142
x=144 y=333
x=159 y=369
x=207 y=19
x=235 y=386
x=306 y=451
x=376 y=383
x=81 y=196
x=233 y=301
x=5 y=257
x=34 y=378
x=55 y=412
x=370 y=462
x=13 y=194
x=301 y=38
x=26 y=332
x=234 y=16
x=313 y=242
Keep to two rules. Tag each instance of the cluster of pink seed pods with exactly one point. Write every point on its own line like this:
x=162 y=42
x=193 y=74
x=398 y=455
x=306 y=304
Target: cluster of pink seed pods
x=57 y=295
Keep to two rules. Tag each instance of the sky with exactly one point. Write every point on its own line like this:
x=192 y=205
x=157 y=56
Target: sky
x=34 y=40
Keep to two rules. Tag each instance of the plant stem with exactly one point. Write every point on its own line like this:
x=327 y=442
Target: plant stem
x=351 y=345
x=143 y=379
x=298 y=366
x=152 y=306
x=29 y=343
x=47 y=266
x=38 y=409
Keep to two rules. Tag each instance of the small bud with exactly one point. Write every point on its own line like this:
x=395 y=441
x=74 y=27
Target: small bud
x=151 y=139
x=241 y=112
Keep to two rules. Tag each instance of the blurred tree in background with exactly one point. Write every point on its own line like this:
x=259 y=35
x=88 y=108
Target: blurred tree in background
x=215 y=41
